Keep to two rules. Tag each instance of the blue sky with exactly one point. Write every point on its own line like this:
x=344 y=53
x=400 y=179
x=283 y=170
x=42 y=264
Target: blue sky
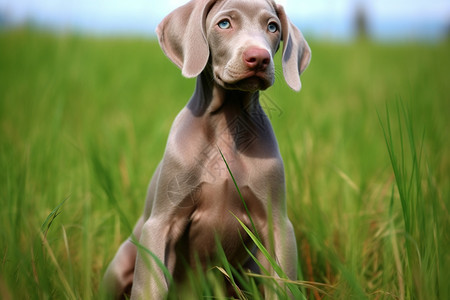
x=389 y=19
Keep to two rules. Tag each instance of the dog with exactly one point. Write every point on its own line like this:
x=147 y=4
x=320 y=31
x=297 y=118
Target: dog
x=192 y=201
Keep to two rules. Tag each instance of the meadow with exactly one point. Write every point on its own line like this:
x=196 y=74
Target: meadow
x=366 y=147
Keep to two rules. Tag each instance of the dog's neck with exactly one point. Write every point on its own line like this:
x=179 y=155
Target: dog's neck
x=210 y=98
x=229 y=114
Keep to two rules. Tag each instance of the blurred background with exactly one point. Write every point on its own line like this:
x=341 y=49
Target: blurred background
x=338 y=19
x=87 y=99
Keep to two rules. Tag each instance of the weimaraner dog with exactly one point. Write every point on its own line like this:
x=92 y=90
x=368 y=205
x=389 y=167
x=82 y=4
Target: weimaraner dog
x=192 y=201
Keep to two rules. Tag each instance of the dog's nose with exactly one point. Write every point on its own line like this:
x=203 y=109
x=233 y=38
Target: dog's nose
x=256 y=58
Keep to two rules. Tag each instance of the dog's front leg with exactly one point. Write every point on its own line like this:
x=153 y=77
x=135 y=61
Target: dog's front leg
x=149 y=279
x=286 y=247
x=282 y=246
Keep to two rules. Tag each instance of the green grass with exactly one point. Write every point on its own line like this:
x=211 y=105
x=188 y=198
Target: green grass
x=366 y=146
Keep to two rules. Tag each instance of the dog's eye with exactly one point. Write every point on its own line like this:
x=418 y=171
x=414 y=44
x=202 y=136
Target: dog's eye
x=272 y=27
x=224 y=24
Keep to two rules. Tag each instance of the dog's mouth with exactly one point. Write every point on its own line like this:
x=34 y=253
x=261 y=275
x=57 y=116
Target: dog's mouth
x=251 y=81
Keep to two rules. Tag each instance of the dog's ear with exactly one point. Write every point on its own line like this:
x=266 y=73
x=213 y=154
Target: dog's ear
x=296 y=52
x=182 y=37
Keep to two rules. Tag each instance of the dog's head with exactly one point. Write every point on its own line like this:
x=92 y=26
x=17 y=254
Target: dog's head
x=238 y=38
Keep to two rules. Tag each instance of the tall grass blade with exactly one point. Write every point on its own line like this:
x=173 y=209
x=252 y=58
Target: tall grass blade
x=228 y=268
x=419 y=218
x=239 y=192
x=297 y=294
x=69 y=293
x=69 y=257
x=103 y=176
x=51 y=217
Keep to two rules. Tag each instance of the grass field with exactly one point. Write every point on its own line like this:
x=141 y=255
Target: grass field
x=366 y=146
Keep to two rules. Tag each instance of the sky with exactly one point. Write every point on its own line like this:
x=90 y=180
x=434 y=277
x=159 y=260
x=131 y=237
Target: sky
x=388 y=19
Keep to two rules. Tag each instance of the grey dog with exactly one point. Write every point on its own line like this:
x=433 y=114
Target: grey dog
x=192 y=201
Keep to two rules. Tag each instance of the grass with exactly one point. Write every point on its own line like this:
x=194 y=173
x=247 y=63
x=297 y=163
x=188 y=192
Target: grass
x=366 y=146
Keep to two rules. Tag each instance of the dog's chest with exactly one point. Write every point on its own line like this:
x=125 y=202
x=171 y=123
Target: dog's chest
x=215 y=219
